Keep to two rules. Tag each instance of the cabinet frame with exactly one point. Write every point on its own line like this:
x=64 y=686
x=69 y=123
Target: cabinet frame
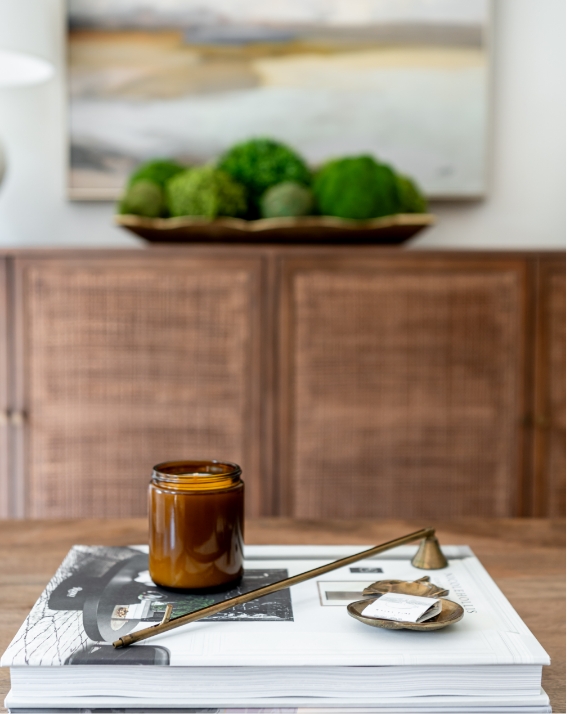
x=543 y=423
x=5 y=413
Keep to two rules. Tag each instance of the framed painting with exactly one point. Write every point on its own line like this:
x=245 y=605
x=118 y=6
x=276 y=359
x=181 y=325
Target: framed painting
x=406 y=82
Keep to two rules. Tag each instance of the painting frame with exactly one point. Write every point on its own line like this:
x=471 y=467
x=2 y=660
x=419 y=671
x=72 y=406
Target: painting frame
x=83 y=191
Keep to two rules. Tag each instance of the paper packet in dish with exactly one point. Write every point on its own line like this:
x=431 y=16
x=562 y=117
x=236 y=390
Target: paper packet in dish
x=403 y=608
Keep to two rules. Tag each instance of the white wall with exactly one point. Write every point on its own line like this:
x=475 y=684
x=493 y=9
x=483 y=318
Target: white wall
x=526 y=203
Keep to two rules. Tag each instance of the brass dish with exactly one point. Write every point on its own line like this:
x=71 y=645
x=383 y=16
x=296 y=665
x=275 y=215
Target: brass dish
x=451 y=612
x=421 y=587
x=309 y=229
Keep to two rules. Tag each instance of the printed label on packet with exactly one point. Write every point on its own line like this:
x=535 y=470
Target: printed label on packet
x=403 y=608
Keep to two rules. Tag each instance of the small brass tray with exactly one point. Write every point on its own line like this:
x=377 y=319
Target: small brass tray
x=451 y=612
x=422 y=587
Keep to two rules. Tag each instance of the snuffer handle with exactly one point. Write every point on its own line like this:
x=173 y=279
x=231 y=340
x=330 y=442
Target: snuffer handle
x=170 y=624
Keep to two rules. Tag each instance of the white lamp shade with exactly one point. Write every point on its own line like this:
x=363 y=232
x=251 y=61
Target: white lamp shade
x=17 y=68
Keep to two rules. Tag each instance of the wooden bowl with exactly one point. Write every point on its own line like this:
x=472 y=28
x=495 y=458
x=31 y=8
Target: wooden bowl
x=309 y=229
x=451 y=612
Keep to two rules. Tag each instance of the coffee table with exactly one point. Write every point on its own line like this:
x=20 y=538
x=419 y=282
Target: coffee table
x=526 y=557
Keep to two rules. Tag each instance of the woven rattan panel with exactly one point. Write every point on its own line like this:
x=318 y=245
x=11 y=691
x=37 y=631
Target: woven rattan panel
x=550 y=411
x=404 y=390
x=129 y=363
x=4 y=396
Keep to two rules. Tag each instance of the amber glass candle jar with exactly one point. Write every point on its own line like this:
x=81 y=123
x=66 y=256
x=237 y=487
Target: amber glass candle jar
x=196 y=512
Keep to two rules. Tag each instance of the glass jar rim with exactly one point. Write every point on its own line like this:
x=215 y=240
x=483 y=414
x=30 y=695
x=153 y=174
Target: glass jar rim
x=197 y=473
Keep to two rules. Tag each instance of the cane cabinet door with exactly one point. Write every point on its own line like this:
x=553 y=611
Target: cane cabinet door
x=5 y=413
x=549 y=409
x=401 y=386
x=129 y=361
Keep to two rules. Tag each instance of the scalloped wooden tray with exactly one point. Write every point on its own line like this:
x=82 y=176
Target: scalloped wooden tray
x=310 y=229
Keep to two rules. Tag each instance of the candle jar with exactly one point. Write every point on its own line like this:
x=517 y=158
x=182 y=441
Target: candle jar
x=196 y=513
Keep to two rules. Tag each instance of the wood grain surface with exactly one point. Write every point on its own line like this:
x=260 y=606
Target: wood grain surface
x=4 y=396
x=526 y=557
x=549 y=407
x=127 y=364
x=348 y=381
x=402 y=380
x=414 y=383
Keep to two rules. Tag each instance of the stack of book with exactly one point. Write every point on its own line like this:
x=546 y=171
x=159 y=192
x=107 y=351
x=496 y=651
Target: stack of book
x=296 y=650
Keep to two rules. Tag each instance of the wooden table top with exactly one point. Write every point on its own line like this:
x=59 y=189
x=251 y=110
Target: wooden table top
x=526 y=557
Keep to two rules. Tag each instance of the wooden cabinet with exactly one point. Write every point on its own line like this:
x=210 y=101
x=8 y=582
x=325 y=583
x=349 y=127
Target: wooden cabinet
x=548 y=488
x=348 y=382
x=5 y=450
x=125 y=363
x=403 y=389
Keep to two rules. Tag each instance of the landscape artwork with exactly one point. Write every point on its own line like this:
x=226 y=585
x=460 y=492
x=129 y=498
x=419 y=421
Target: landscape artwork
x=403 y=80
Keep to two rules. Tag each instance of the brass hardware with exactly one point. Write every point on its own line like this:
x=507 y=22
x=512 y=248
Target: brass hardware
x=167 y=614
x=542 y=422
x=16 y=418
x=537 y=421
x=425 y=533
x=429 y=556
x=11 y=418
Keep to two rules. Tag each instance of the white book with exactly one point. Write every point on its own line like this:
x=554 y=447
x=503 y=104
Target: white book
x=297 y=647
x=409 y=705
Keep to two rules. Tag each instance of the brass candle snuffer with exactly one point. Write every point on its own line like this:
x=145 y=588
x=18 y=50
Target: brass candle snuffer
x=429 y=557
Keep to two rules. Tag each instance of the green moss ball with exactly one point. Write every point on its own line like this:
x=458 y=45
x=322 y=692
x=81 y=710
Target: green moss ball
x=144 y=198
x=287 y=199
x=160 y=171
x=205 y=191
x=410 y=197
x=259 y=164
x=357 y=187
